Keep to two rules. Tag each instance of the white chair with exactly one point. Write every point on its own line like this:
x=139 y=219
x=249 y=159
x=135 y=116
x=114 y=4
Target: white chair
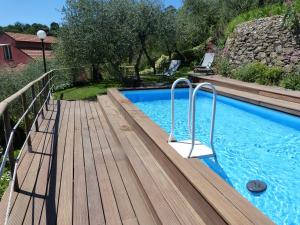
x=174 y=65
x=206 y=64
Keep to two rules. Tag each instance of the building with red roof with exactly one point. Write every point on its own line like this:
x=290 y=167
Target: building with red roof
x=19 y=49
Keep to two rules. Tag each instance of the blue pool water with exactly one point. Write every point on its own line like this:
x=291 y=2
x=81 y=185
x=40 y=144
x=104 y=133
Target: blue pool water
x=251 y=142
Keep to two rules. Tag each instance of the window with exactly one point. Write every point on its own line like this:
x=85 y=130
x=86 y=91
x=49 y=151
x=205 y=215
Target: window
x=7 y=52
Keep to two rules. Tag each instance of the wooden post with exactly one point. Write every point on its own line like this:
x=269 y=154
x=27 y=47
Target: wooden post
x=41 y=99
x=7 y=131
x=34 y=109
x=27 y=121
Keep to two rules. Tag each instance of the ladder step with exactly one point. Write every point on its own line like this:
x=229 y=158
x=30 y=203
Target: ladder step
x=184 y=147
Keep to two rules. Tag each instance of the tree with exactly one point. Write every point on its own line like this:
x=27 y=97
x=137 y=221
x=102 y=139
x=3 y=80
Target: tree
x=147 y=21
x=168 y=34
x=25 y=28
x=54 y=28
x=97 y=33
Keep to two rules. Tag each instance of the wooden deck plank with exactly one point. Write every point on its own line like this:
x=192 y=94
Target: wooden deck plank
x=110 y=208
x=159 y=203
x=140 y=205
x=49 y=213
x=94 y=201
x=123 y=202
x=183 y=210
x=33 y=214
x=49 y=210
x=80 y=204
x=65 y=202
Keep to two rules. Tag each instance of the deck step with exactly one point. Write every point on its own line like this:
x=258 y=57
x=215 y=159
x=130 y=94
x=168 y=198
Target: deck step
x=168 y=202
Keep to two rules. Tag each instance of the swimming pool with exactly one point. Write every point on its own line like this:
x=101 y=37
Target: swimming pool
x=251 y=142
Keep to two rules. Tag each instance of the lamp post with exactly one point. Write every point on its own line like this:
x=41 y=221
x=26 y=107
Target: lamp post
x=42 y=35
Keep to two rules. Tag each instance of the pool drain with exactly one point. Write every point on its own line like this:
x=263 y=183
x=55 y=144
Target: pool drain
x=256 y=186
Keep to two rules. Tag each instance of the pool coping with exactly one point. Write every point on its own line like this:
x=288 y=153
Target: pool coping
x=192 y=171
x=283 y=100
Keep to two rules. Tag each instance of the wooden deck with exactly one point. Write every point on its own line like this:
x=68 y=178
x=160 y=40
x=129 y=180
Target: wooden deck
x=91 y=165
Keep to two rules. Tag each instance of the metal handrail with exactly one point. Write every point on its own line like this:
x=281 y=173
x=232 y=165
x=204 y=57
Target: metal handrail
x=11 y=136
x=14 y=175
x=212 y=87
x=171 y=137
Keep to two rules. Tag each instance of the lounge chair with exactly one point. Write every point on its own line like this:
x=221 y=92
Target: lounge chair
x=174 y=65
x=206 y=64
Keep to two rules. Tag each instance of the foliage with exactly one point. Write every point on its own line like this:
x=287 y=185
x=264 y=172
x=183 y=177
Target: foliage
x=291 y=81
x=13 y=80
x=109 y=33
x=291 y=19
x=198 y=20
x=250 y=72
x=272 y=76
x=162 y=62
x=223 y=66
x=31 y=28
x=4 y=181
x=190 y=55
x=259 y=73
x=268 y=10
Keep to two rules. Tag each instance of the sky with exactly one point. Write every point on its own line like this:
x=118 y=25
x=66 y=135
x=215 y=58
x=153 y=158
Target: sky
x=40 y=11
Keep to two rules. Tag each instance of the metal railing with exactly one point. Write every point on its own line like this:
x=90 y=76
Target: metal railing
x=43 y=95
x=171 y=137
x=199 y=86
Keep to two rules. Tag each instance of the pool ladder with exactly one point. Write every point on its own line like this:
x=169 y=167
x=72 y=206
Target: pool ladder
x=192 y=148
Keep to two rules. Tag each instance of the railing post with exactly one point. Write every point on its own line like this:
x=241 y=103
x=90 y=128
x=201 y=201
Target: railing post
x=27 y=122
x=48 y=86
x=12 y=161
x=45 y=92
x=41 y=99
x=34 y=108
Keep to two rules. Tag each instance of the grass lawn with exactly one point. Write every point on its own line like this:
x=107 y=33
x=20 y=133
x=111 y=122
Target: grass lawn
x=85 y=92
x=90 y=91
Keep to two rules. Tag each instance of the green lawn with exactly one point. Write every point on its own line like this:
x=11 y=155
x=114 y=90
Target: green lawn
x=90 y=91
x=84 y=92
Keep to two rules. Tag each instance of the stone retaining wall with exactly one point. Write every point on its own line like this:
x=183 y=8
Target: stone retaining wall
x=265 y=40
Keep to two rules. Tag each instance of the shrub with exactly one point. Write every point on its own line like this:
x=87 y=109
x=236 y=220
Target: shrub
x=272 y=76
x=259 y=73
x=190 y=55
x=291 y=82
x=223 y=67
x=250 y=72
x=162 y=62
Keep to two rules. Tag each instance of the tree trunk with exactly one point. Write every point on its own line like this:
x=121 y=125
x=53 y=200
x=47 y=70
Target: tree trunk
x=97 y=76
x=150 y=60
x=169 y=50
x=137 y=65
